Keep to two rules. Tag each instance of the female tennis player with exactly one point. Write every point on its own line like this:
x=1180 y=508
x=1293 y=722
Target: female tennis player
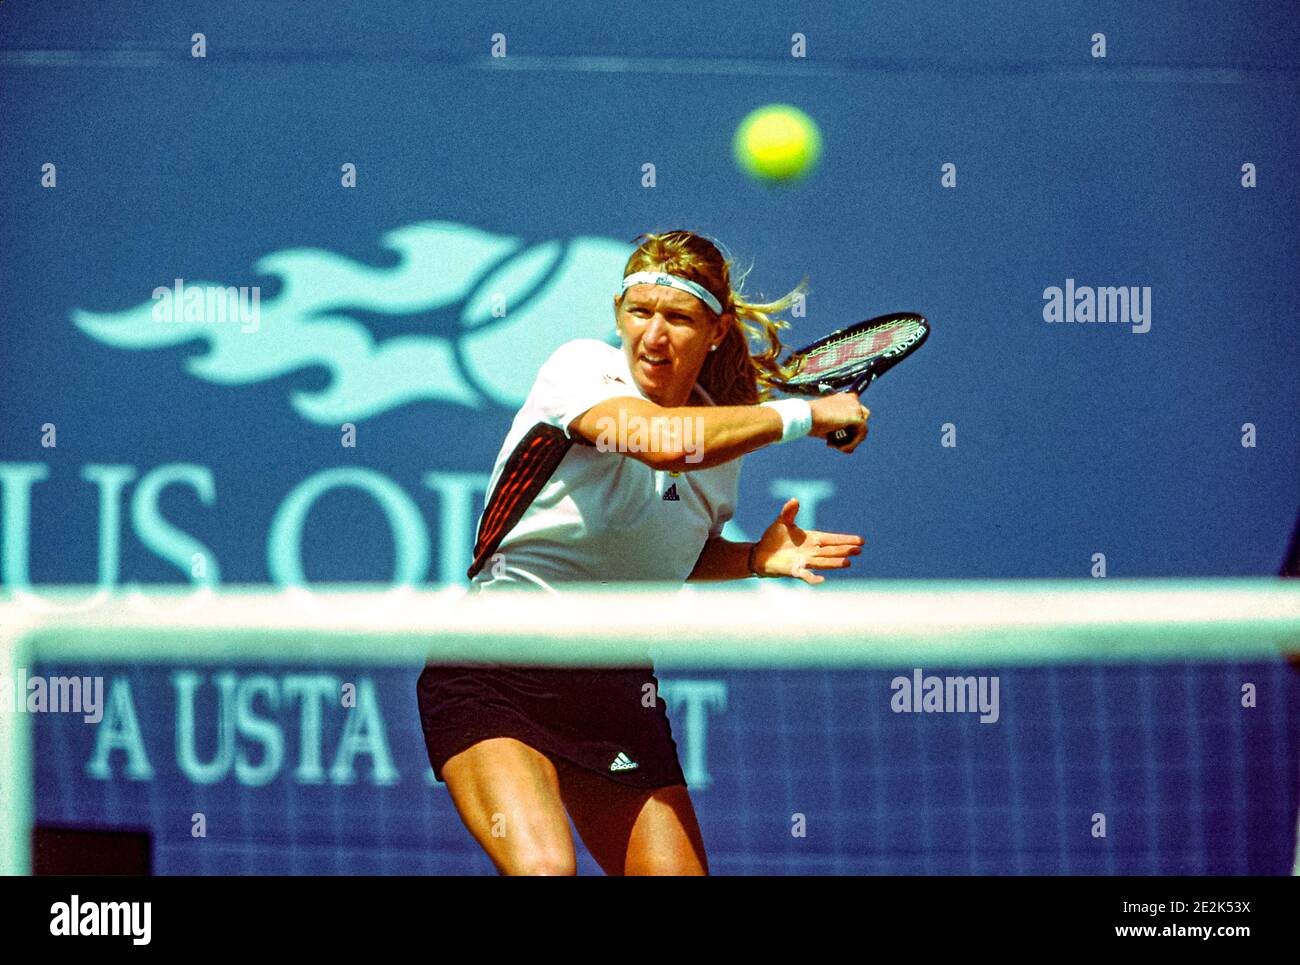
x=576 y=496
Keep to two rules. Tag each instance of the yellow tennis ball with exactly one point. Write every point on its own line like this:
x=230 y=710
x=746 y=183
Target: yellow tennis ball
x=777 y=143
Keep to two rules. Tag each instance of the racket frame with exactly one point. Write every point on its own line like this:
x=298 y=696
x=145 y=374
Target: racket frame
x=853 y=380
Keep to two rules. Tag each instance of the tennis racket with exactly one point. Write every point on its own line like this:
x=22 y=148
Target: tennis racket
x=850 y=359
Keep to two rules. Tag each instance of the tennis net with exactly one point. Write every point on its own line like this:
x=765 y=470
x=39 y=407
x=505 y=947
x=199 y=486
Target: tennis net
x=1098 y=727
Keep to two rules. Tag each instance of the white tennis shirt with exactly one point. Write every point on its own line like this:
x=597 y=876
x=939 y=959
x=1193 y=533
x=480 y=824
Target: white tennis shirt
x=604 y=516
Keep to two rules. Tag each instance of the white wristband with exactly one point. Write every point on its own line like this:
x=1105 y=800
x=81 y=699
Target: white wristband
x=796 y=417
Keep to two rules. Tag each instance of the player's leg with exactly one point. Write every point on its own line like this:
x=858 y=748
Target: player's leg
x=508 y=795
x=634 y=831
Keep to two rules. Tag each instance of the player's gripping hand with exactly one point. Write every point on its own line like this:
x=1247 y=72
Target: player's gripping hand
x=840 y=411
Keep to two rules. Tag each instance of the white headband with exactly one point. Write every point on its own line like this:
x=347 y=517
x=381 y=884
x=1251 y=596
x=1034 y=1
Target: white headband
x=672 y=281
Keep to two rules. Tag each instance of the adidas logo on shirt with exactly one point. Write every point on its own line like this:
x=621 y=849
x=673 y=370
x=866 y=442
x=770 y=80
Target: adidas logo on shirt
x=670 y=495
x=623 y=763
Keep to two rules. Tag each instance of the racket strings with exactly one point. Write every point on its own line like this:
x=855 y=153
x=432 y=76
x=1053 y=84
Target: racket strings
x=854 y=349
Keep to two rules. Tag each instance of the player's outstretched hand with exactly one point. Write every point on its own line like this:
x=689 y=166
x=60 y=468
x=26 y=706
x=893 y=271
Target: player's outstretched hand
x=787 y=550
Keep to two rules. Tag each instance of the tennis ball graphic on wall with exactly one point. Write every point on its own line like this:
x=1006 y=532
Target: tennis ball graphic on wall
x=551 y=292
x=777 y=144
x=379 y=333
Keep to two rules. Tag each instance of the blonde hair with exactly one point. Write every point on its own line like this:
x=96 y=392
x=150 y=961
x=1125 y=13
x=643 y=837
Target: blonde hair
x=739 y=372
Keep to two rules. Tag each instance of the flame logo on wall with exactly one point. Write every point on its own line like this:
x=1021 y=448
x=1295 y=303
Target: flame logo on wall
x=553 y=292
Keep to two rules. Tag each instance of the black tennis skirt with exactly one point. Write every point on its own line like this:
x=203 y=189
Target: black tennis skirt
x=610 y=721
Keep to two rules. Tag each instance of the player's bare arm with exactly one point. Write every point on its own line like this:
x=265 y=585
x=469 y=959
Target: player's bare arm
x=718 y=433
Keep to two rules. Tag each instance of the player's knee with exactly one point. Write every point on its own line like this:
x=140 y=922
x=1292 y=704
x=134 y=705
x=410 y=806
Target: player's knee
x=662 y=857
x=677 y=865
x=541 y=861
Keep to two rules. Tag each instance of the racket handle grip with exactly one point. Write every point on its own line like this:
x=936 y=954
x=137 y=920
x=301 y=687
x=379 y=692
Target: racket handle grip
x=841 y=437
